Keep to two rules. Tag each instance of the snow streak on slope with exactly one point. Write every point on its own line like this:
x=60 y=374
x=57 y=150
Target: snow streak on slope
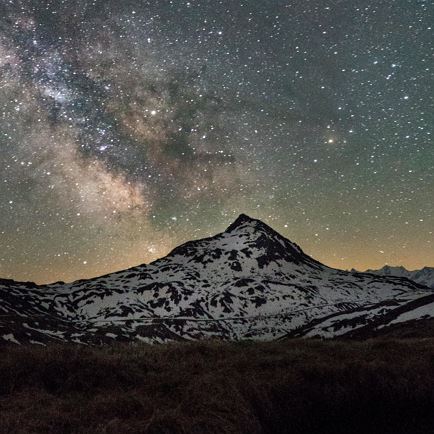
x=247 y=282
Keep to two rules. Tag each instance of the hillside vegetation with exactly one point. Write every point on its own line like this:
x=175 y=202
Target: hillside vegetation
x=375 y=386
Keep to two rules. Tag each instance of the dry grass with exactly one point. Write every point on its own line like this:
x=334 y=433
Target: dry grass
x=377 y=386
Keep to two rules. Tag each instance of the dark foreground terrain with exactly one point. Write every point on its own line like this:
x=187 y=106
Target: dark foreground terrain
x=377 y=386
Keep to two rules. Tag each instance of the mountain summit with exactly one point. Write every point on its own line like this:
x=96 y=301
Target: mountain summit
x=243 y=220
x=244 y=241
x=248 y=282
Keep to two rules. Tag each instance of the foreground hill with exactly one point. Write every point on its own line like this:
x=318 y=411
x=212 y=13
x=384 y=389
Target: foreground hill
x=248 y=282
x=292 y=386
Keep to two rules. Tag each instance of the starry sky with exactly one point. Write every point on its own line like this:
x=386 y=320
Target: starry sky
x=128 y=127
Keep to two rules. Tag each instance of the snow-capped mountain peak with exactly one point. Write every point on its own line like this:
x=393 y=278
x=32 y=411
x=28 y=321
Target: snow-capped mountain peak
x=424 y=276
x=246 y=282
x=244 y=220
x=245 y=243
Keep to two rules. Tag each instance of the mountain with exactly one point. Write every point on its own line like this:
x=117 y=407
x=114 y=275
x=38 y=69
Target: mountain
x=248 y=282
x=424 y=276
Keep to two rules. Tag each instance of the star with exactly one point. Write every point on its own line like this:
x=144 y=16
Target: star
x=129 y=128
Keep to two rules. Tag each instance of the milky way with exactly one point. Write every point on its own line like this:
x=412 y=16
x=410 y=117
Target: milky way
x=129 y=127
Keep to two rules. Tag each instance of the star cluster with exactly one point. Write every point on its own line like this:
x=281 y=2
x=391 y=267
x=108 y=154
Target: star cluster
x=129 y=127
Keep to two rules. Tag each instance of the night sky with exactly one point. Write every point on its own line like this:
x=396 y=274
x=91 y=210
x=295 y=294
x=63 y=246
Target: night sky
x=128 y=127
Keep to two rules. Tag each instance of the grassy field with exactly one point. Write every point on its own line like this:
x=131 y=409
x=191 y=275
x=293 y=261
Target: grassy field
x=377 y=386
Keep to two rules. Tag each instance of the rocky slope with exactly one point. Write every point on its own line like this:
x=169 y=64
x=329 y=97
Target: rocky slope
x=248 y=282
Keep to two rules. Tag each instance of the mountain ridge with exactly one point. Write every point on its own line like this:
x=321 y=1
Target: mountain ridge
x=424 y=276
x=248 y=282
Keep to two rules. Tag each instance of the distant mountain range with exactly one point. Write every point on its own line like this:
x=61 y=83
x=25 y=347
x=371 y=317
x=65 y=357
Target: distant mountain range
x=248 y=282
x=425 y=276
